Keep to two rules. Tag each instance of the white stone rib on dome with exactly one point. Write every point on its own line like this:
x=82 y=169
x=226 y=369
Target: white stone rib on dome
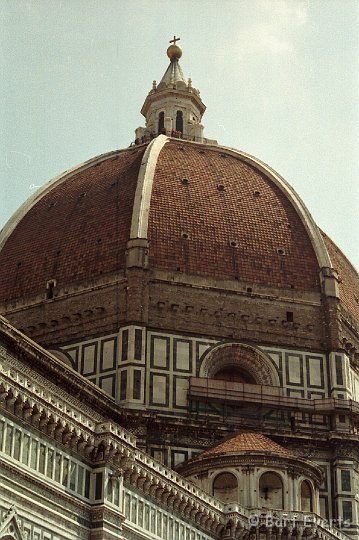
x=142 y=202
x=298 y=204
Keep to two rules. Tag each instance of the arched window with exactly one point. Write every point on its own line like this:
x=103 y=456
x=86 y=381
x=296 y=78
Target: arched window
x=306 y=499
x=179 y=121
x=250 y=364
x=271 y=491
x=225 y=488
x=161 y=122
x=234 y=374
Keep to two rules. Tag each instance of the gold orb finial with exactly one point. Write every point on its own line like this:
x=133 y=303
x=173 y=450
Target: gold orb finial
x=174 y=51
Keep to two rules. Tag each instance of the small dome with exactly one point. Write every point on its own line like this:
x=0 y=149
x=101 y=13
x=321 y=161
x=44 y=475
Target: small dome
x=219 y=470
x=234 y=450
x=247 y=442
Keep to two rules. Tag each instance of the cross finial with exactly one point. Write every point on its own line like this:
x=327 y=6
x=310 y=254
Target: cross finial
x=174 y=40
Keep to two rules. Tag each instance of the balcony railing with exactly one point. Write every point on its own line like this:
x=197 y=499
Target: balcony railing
x=235 y=393
x=174 y=134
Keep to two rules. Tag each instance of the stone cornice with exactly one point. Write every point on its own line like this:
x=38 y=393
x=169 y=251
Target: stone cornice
x=46 y=408
x=237 y=287
x=60 y=419
x=75 y=386
x=166 y=92
x=166 y=487
x=71 y=291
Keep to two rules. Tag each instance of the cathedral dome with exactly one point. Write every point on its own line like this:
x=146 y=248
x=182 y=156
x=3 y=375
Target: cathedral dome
x=182 y=291
x=184 y=209
x=205 y=210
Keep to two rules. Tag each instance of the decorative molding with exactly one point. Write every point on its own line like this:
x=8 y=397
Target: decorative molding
x=252 y=360
x=10 y=526
x=251 y=462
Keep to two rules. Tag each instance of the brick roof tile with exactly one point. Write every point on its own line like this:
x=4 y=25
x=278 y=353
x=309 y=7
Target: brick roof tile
x=249 y=210
x=75 y=232
x=246 y=442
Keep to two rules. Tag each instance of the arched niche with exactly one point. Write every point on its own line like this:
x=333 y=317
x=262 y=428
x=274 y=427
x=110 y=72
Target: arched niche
x=161 y=122
x=306 y=497
x=225 y=487
x=179 y=121
x=246 y=364
x=271 y=491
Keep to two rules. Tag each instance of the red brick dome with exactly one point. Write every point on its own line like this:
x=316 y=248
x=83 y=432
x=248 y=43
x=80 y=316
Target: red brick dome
x=206 y=211
x=75 y=230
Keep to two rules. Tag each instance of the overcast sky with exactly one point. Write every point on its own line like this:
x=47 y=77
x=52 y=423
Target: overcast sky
x=280 y=79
